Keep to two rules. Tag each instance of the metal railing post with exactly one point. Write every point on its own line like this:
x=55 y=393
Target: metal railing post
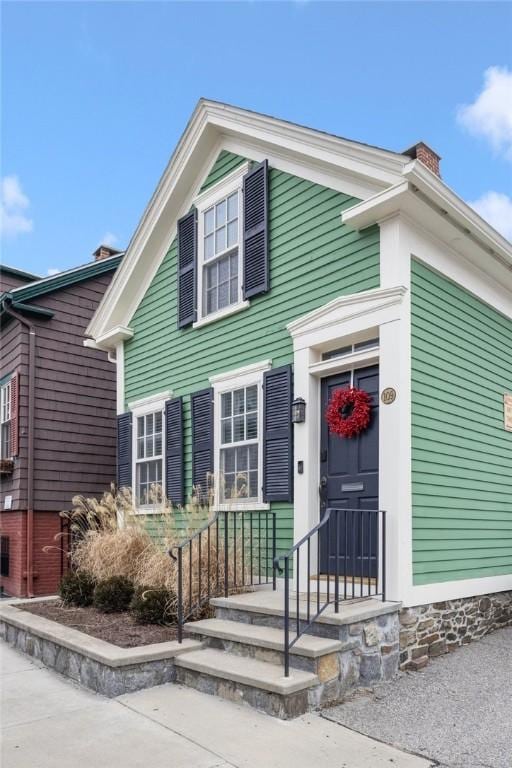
x=383 y=556
x=274 y=574
x=180 y=595
x=286 y=619
x=226 y=555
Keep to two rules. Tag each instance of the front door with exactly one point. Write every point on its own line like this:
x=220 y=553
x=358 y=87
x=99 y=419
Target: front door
x=349 y=471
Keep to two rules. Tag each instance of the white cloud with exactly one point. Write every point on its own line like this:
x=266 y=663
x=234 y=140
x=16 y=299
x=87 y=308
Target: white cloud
x=490 y=115
x=109 y=239
x=52 y=271
x=13 y=205
x=496 y=208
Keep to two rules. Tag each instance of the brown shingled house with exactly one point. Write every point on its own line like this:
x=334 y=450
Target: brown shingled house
x=57 y=415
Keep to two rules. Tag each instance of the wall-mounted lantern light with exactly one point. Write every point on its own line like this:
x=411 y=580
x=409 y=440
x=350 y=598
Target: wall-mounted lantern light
x=298 y=410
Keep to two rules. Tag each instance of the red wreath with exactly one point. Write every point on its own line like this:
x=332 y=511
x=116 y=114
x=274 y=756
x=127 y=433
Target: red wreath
x=348 y=411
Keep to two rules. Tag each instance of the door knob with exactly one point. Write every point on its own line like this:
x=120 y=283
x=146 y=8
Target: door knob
x=323 y=481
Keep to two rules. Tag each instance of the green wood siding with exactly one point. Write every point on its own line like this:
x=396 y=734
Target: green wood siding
x=313 y=259
x=461 y=453
x=225 y=163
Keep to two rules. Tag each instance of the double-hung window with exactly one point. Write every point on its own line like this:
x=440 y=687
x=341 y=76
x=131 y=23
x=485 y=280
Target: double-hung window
x=239 y=445
x=219 y=279
x=149 y=458
x=5 y=420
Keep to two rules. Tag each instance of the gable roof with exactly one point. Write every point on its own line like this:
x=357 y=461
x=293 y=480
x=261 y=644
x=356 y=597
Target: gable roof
x=20 y=273
x=357 y=169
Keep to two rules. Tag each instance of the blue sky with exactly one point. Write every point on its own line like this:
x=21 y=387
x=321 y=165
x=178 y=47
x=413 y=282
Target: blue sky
x=95 y=96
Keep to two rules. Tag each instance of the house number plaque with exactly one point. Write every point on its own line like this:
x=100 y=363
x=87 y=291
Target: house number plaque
x=388 y=395
x=507 y=412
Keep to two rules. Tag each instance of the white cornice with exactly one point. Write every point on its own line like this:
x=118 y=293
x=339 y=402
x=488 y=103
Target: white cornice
x=114 y=337
x=345 y=308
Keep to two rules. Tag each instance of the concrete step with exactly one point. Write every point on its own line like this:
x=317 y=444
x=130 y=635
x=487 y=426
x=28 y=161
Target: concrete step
x=266 y=607
x=309 y=653
x=245 y=680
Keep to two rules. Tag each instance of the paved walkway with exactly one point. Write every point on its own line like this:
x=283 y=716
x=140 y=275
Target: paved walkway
x=49 y=722
x=458 y=710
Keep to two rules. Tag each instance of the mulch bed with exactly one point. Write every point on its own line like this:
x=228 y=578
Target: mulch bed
x=120 y=629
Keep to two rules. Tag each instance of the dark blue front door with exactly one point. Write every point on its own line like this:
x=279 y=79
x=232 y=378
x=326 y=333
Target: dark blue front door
x=349 y=471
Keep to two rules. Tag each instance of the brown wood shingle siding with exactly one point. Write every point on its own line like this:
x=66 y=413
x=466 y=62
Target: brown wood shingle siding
x=75 y=430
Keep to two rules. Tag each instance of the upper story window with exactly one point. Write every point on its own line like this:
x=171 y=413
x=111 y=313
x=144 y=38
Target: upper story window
x=5 y=420
x=221 y=284
x=149 y=458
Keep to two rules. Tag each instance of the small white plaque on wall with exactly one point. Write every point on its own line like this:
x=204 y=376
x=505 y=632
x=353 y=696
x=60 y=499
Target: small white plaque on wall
x=507 y=411
x=8 y=502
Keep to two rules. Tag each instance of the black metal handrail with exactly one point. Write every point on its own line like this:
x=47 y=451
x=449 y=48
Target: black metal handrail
x=234 y=550
x=360 y=540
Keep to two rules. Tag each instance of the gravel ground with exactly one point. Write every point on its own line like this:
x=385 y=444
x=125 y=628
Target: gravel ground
x=457 y=711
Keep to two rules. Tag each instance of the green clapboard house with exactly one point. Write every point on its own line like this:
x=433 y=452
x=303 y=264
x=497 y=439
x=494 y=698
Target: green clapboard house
x=276 y=265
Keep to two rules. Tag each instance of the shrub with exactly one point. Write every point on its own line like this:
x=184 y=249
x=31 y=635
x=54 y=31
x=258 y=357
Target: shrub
x=77 y=589
x=113 y=594
x=153 y=605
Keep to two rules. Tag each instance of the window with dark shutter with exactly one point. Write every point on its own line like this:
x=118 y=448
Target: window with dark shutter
x=277 y=435
x=255 y=231
x=174 y=450
x=124 y=450
x=15 y=408
x=202 y=441
x=187 y=256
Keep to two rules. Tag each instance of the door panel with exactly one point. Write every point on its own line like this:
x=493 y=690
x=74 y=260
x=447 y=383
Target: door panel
x=349 y=468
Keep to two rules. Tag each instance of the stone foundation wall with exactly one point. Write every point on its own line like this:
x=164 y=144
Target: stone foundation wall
x=431 y=630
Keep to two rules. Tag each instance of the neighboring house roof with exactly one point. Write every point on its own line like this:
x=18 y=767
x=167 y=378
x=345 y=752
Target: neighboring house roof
x=20 y=273
x=18 y=297
x=379 y=178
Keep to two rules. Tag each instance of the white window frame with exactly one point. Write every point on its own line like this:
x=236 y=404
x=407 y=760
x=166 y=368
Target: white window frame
x=152 y=404
x=5 y=414
x=249 y=375
x=231 y=183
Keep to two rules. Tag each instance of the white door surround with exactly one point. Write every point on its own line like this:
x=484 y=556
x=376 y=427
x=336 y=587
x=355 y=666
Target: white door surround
x=348 y=320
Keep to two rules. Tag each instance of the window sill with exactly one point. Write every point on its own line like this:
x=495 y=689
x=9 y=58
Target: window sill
x=232 y=310
x=243 y=506
x=149 y=509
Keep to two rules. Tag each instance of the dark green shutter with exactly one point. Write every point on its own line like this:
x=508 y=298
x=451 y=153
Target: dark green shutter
x=256 y=278
x=202 y=441
x=174 y=450
x=124 y=450
x=187 y=258
x=277 y=435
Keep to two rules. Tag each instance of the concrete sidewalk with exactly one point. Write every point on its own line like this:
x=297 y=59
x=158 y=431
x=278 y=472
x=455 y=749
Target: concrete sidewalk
x=49 y=722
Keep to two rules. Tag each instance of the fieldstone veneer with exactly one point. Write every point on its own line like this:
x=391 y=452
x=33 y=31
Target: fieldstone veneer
x=430 y=630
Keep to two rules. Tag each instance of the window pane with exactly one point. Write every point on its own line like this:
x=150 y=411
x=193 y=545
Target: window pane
x=252 y=426
x=208 y=247
x=211 y=276
x=158 y=445
x=238 y=400
x=233 y=206
x=253 y=485
x=226 y=432
x=251 y=394
x=228 y=459
x=223 y=270
x=140 y=426
x=140 y=447
x=241 y=459
x=149 y=424
x=220 y=214
x=232 y=233
x=223 y=299
x=233 y=264
x=238 y=428
x=253 y=457
x=158 y=421
x=209 y=218
x=211 y=301
x=233 y=290
x=149 y=445
x=226 y=400
x=220 y=240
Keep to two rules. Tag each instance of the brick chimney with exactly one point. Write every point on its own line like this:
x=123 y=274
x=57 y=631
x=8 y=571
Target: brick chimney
x=425 y=155
x=104 y=251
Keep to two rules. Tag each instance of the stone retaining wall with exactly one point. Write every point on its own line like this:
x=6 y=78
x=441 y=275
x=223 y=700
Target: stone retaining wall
x=431 y=630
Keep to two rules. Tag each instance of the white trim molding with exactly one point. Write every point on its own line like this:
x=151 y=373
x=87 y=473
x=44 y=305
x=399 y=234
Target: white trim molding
x=152 y=404
x=149 y=403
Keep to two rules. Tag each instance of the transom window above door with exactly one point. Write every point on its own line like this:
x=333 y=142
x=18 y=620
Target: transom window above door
x=221 y=254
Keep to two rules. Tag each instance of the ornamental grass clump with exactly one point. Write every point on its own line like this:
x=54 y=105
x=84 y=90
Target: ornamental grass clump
x=77 y=589
x=113 y=594
x=154 y=605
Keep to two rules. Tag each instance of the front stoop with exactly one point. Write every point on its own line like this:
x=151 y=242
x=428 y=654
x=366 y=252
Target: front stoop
x=243 y=652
